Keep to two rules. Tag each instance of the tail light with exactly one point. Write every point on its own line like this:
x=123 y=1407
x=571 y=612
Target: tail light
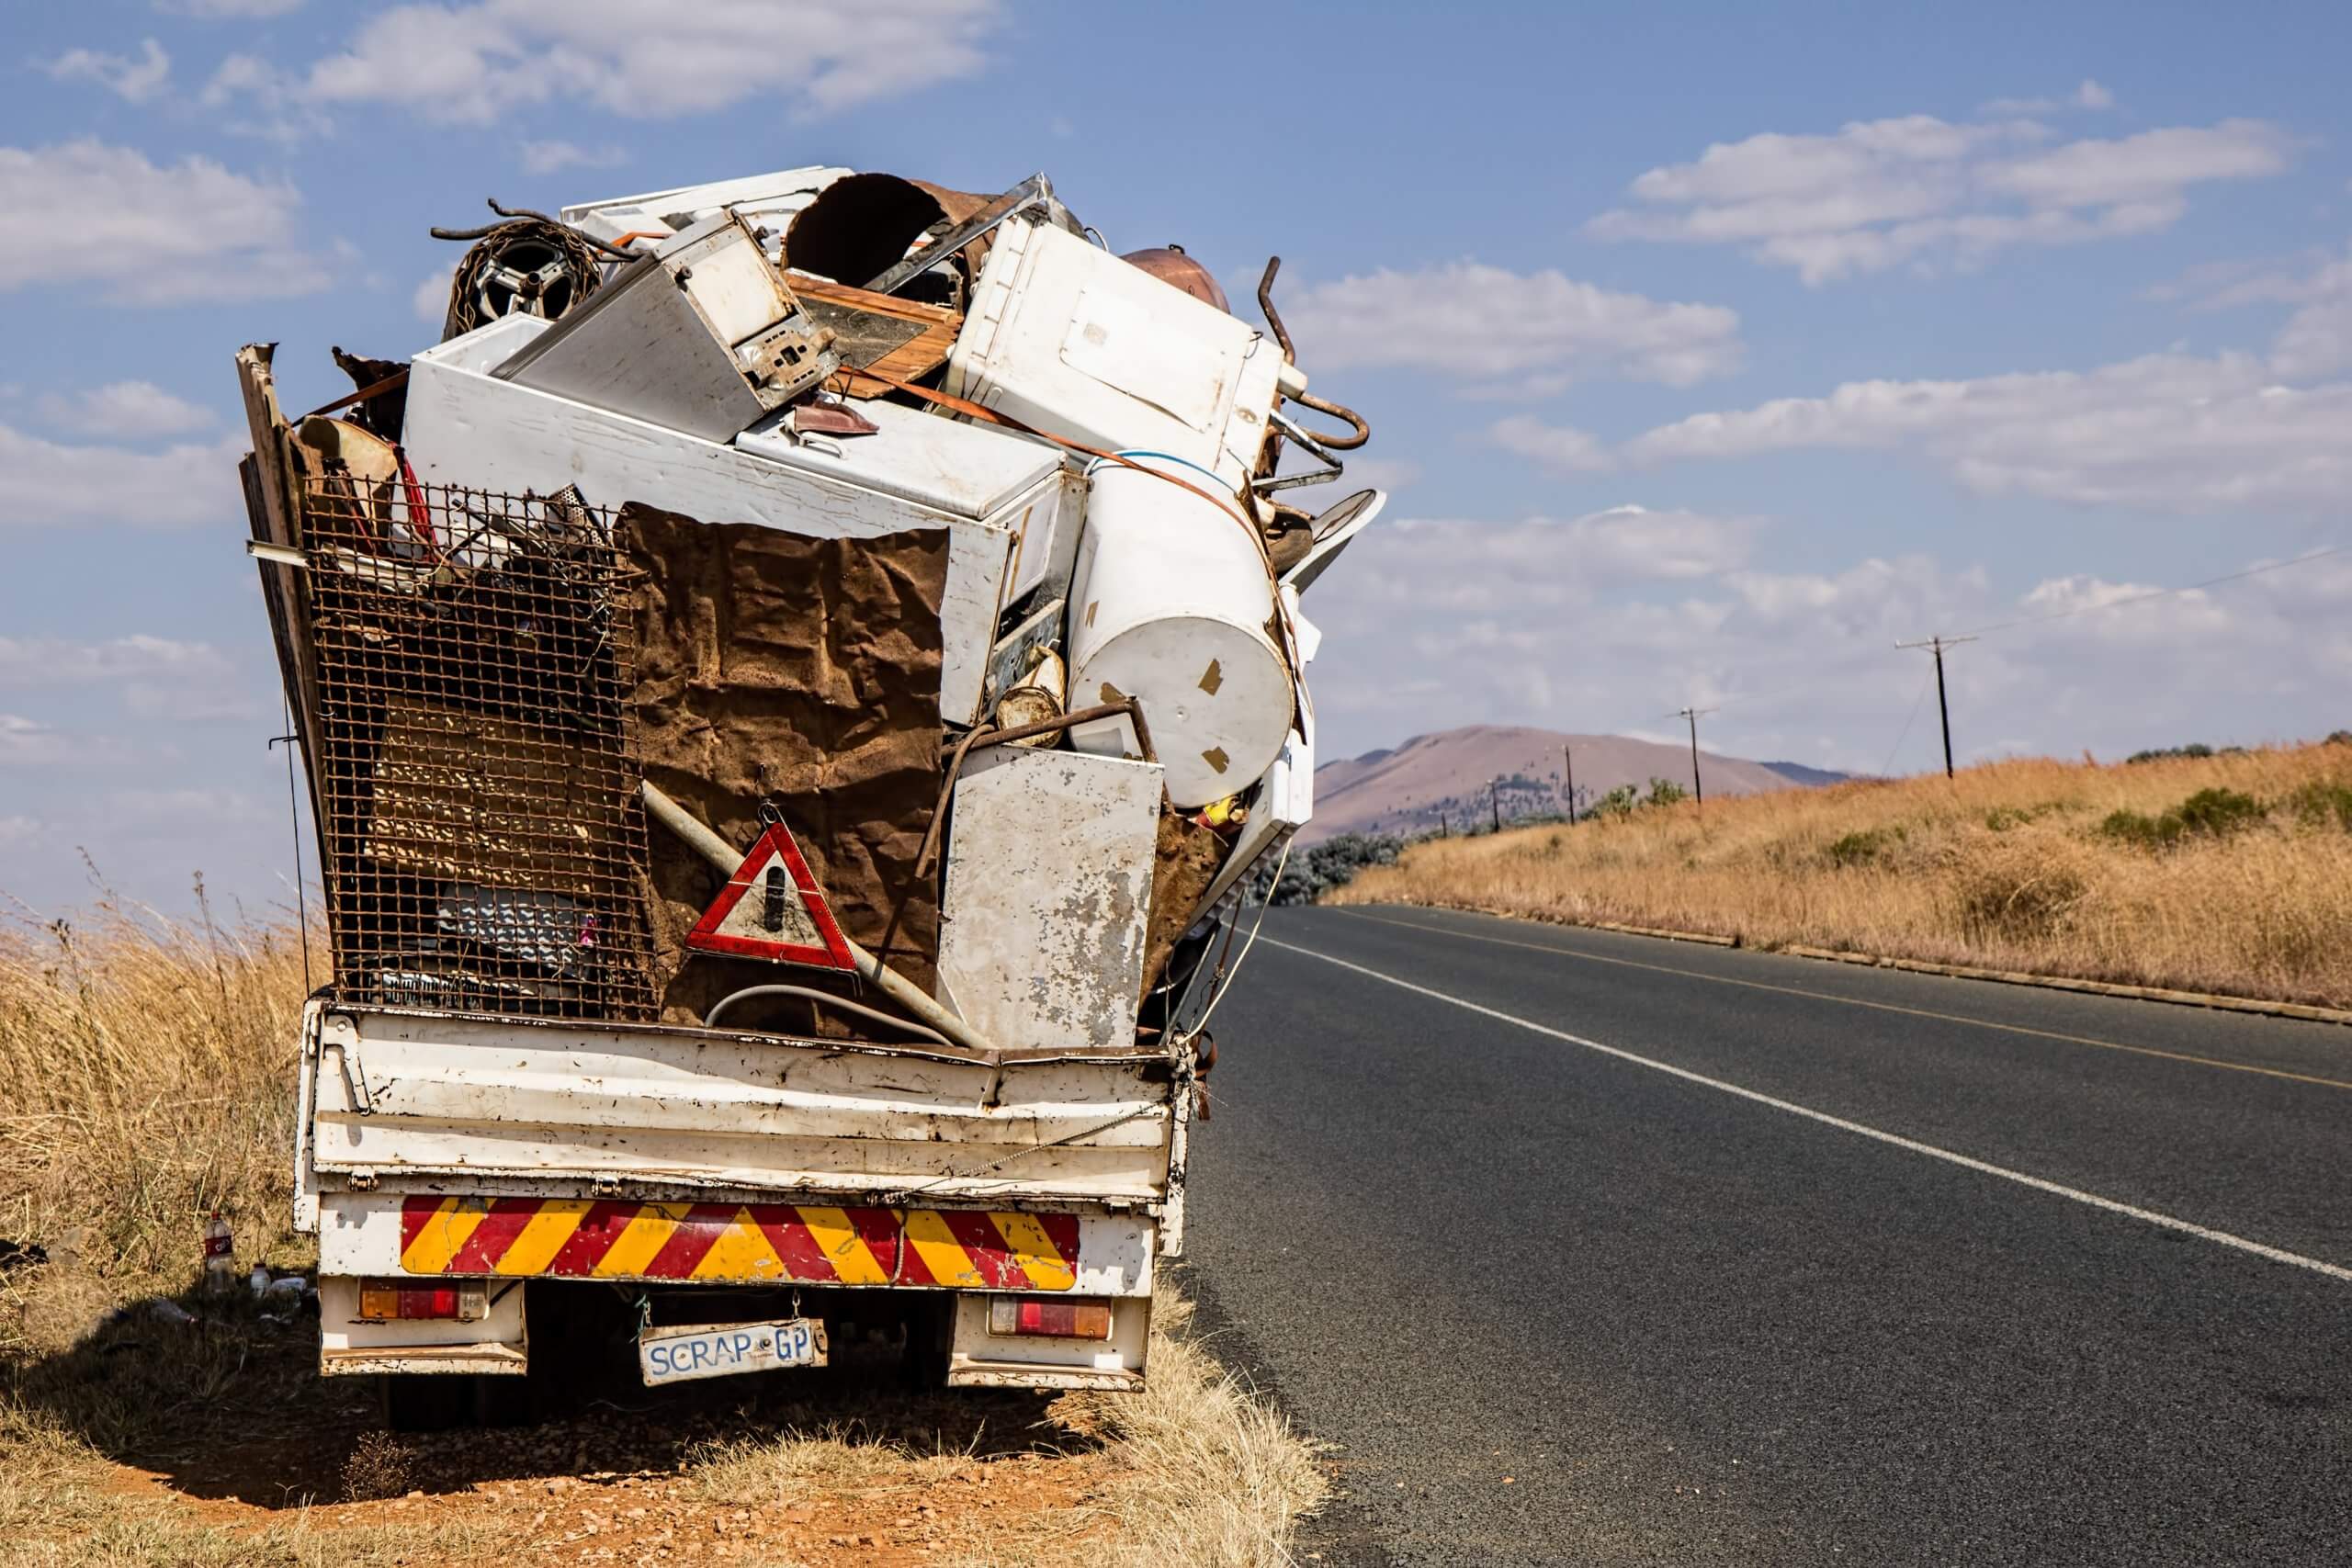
x=1047 y=1317
x=383 y=1300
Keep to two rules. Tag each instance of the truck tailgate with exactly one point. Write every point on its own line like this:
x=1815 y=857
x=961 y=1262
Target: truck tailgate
x=425 y=1101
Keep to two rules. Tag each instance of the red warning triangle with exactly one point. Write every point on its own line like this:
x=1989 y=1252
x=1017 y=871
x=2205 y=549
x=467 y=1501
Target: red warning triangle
x=773 y=908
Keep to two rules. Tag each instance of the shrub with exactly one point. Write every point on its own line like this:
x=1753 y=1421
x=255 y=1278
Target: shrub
x=1617 y=803
x=2160 y=753
x=2218 y=811
x=1664 y=792
x=2143 y=831
x=1332 y=864
x=2213 y=813
x=1867 y=847
x=2323 y=801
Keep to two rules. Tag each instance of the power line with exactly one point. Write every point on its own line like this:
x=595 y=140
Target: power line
x=1905 y=734
x=1815 y=684
x=2161 y=593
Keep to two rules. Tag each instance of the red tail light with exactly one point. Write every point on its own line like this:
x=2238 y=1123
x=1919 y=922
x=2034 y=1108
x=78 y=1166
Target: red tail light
x=1049 y=1318
x=382 y=1300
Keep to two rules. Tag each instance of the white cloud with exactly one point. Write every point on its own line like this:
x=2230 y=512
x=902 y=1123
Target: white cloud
x=239 y=74
x=1881 y=193
x=151 y=234
x=224 y=10
x=1391 y=474
x=1561 y=449
x=45 y=483
x=52 y=664
x=135 y=81
x=550 y=157
x=431 y=301
x=474 y=63
x=124 y=409
x=2090 y=95
x=199 y=704
x=2317 y=339
x=133 y=809
x=284 y=117
x=18 y=829
x=28 y=743
x=2165 y=433
x=1472 y=568
x=1507 y=331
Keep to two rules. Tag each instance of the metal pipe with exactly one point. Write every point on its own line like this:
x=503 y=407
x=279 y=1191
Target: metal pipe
x=976 y=740
x=691 y=830
x=710 y=1019
x=1266 y=303
x=1362 y=431
x=1130 y=706
x=1337 y=410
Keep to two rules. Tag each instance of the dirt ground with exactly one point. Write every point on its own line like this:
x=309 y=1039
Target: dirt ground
x=212 y=1443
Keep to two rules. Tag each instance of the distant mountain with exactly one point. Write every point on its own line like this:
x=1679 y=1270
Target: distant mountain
x=1441 y=778
x=1812 y=778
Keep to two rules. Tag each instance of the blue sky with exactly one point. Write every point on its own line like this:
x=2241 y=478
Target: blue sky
x=1709 y=350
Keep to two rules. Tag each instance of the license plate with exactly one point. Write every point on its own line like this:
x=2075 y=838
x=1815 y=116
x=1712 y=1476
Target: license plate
x=718 y=1350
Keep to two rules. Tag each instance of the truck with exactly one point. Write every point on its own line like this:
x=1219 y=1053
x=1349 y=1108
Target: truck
x=656 y=1045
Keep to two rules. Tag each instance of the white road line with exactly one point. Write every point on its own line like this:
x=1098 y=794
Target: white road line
x=2093 y=1200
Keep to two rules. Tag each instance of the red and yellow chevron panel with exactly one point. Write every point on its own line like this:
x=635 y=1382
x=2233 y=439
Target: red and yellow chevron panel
x=748 y=1243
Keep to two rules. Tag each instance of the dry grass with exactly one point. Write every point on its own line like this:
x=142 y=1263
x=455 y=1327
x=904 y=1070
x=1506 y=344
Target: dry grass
x=1209 y=1471
x=146 y=1077
x=1196 y=1468
x=2012 y=866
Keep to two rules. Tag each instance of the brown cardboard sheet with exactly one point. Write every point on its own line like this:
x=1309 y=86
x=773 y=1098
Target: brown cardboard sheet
x=804 y=671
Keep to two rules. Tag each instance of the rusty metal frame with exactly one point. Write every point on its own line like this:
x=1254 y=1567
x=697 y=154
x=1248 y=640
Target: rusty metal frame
x=484 y=843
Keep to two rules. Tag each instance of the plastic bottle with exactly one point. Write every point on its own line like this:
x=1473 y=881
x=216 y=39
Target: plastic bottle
x=219 y=1253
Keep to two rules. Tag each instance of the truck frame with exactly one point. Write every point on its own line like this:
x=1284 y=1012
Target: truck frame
x=696 y=1175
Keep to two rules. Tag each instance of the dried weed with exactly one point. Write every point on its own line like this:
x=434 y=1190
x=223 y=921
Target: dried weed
x=2240 y=882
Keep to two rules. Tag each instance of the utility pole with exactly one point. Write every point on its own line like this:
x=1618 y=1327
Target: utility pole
x=1937 y=645
x=1693 y=715
x=1495 y=799
x=1569 y=761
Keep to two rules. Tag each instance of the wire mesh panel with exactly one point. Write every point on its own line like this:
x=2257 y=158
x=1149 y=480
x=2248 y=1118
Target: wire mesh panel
x=485 y=838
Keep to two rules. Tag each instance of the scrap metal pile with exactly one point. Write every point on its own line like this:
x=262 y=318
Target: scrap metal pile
x=822 y=603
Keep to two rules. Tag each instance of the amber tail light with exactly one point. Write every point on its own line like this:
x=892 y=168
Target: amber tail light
x=1045 y=1317
x=382 y=1300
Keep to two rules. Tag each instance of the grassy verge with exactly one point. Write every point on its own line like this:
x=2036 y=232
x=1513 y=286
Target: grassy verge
x=146 y=1078
x=2229 y=874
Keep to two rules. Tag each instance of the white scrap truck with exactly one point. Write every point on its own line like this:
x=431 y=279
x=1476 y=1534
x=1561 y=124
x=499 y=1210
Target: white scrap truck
x=794 y=690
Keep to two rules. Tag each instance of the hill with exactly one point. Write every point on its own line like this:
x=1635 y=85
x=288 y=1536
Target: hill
x=1432 y=779
x=1811 y=777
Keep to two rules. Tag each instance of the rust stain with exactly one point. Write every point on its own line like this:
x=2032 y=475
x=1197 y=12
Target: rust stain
x=1093 y=606
x=1112 y=695
x=1212 y=678
x=1215 y=758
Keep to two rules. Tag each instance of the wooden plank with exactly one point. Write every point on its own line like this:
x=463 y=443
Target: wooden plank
x=913 y=358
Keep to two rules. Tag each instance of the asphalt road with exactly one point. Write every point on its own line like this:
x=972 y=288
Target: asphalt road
x=1741 y=1259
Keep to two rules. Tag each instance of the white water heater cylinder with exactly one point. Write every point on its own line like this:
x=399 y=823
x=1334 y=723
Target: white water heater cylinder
x=1171 y=603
